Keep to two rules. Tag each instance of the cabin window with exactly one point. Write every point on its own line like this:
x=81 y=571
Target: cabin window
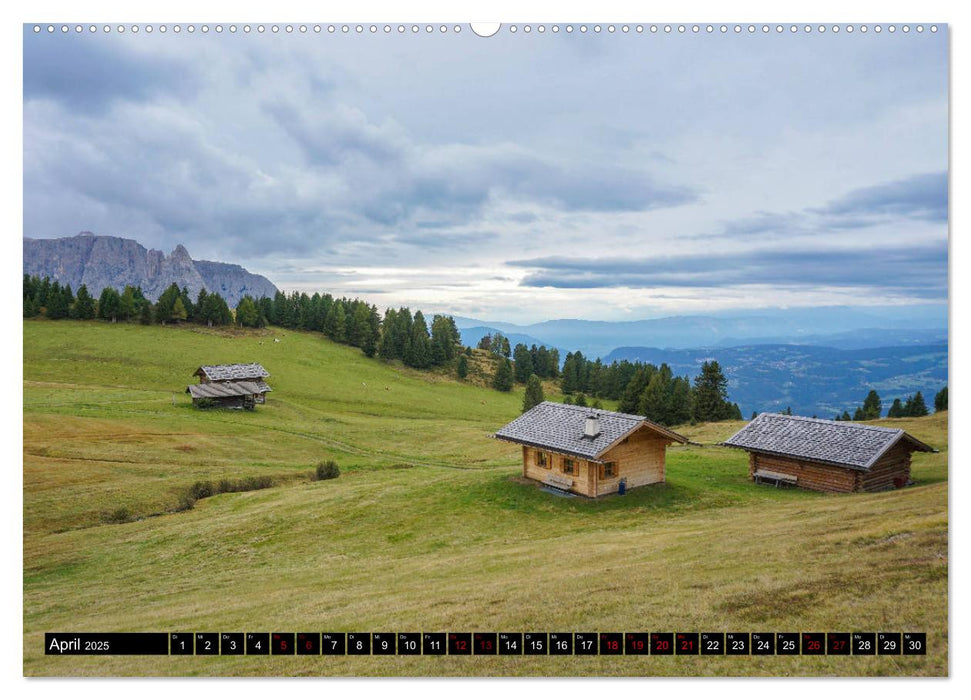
x=569 y=466
x=542 y=460
x=608 y=470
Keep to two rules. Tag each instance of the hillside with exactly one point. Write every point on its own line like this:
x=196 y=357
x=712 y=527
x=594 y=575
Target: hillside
x=428 y=527
x=109 y=261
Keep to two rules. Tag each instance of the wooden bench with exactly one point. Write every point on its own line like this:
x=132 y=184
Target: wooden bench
x=563 y=483
x=779 y=478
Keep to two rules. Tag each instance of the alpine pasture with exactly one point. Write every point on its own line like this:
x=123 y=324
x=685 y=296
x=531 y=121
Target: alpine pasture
x=428 y=527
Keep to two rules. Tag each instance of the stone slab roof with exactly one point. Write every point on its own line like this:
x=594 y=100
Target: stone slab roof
x=224 y=390
x=846 y=444
x=560 y=428
x=222 y=373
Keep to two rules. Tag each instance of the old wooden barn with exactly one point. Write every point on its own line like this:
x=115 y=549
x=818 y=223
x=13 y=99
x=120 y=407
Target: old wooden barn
x=589 y=451
x=825 y=455
x=233 y=386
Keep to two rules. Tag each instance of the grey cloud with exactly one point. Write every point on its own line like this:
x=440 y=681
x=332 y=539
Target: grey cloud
x=921 y=197
x=918 y=197
x=87 y=74
x=394 y=179
x=915 y=269
x=445 y=240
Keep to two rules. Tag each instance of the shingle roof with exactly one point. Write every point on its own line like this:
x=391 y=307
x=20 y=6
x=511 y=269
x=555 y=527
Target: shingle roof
x=560 y=428
x=832 y=442
x=222 y=390
x=220 y=373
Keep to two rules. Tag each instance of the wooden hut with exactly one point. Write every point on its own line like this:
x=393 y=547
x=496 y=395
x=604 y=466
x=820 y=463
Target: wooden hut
x=825 y=455
x=233 y=386
x=589 y=451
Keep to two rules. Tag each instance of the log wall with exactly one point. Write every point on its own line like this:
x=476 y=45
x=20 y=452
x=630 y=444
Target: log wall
x=891 y=471
x=809 y=475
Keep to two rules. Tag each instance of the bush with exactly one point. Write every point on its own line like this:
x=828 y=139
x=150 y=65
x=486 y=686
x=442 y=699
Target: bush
x=119 y=515
x=202 y=489
x=206 y=489
x=186 y=501
x=327 y=470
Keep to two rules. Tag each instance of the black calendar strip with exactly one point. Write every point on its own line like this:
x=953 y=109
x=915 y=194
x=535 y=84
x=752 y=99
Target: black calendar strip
x=485 y=643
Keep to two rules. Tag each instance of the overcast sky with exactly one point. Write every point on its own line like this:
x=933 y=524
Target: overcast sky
x=521 y=177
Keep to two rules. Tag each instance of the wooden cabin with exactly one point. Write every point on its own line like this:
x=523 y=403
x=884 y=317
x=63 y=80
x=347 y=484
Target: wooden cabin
x=231 y=386
x=589 y=451
x=826 y=455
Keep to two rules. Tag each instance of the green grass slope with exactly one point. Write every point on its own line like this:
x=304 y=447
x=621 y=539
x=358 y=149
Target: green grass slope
x=428 y=527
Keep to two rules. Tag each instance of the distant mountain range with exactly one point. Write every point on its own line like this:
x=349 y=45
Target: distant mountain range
x=109 y=261
x=834 y=326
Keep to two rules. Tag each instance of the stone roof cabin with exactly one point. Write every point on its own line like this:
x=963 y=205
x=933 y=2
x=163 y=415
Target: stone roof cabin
x=589 y=451
x=234 y=386
x=826 y=455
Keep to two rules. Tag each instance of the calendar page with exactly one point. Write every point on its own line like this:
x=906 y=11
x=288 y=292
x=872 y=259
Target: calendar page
x=434 y=349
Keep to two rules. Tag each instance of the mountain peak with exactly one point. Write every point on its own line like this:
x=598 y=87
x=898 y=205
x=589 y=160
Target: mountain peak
x=180 y=253
x=110 y=261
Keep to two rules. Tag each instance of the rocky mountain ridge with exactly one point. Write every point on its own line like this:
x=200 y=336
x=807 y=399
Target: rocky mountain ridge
x=110 y=261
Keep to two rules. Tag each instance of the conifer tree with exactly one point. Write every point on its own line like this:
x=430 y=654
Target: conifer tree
x=145 y=313
x=59 y=301
x=83 y=308
x=126 y=305
x=108 y=304
x=463 y=367
x=653 y=403
x=166 y=303
x=503 y=379
x=711 y=394
x=418 y=353
x=940 y=400
x=896 y=409
x=386 y=345
x=534 y=393
x=872 y=407
x=200 y=307
x=524 y=363
x=569 y=384
x=179 y=312
x=918 y=407
x=247 y=314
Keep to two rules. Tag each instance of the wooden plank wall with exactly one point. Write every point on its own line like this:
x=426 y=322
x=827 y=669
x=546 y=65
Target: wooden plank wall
x=809 y=475
x=891 y=471
x=640 y=460
x=582 y=481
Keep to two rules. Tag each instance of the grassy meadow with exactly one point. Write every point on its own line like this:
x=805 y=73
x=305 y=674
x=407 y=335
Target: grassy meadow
x=428 y=528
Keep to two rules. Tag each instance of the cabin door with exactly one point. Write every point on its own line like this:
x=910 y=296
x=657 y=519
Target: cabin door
x=592 y=478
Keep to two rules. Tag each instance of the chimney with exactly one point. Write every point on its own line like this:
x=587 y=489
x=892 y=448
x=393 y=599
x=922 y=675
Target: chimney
x=592 y=427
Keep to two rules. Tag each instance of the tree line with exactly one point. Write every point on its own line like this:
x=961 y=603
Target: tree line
x=640 y=388
x=912 y=407
x=43 y=297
